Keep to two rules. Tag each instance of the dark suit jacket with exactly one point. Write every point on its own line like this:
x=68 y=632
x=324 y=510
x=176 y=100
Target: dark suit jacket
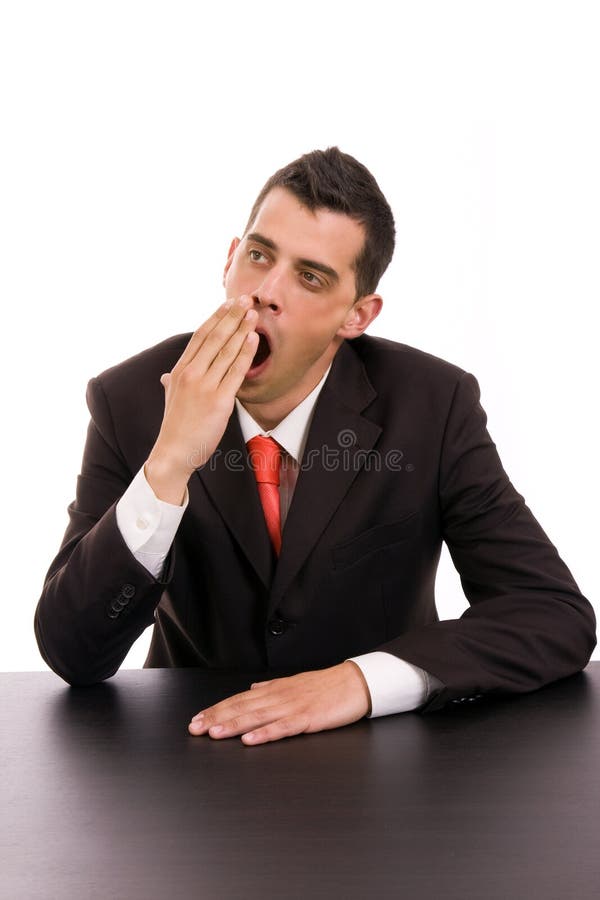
x=397 y=459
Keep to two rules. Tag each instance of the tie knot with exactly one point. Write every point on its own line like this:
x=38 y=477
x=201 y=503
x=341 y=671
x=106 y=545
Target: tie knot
x=265 y=458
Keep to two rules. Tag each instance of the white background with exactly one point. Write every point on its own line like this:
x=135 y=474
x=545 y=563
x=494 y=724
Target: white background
x=135 y=137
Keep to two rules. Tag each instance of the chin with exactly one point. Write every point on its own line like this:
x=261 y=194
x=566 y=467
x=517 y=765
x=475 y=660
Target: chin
x=252 y=392
x=248 y=391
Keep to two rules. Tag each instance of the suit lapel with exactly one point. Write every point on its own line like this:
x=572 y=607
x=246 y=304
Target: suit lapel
x=335 y=451
x=231 y=485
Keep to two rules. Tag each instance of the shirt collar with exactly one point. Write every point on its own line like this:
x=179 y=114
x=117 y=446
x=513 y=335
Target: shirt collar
x=292 y=432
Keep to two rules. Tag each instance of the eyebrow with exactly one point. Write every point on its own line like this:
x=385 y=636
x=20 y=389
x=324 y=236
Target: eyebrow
x=309 y=263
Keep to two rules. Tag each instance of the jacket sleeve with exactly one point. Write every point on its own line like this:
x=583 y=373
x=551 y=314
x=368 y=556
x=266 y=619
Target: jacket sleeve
x=528 y=624
x=97 y=599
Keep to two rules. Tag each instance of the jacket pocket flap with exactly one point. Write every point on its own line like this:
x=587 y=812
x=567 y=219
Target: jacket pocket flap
x=374 y=539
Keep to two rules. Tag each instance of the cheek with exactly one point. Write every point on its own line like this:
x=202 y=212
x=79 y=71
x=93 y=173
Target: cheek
x=318 y=326
x=307 y=340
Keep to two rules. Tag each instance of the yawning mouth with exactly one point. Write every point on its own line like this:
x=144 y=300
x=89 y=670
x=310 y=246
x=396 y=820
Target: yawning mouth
x=262 y=351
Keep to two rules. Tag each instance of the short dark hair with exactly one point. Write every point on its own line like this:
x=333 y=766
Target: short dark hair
x=330 y=179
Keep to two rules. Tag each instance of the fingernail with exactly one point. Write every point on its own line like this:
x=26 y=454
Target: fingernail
x=228 y=303
x=215 y=729
x=249 y=737
x=197 y=717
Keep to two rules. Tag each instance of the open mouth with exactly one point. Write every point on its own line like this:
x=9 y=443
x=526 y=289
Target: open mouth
x=263 y=351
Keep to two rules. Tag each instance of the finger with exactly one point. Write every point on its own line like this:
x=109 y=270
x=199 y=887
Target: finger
x=275 y=731
x=215 y=331
x=238 y=369
x=214 y=343
x=238 y=704
x=231 y=726
x=199 y=335
x=229 y=352
x=165 y=379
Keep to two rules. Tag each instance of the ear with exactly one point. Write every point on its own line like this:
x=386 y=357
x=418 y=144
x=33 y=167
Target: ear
x=360 y=315
x=232 y=248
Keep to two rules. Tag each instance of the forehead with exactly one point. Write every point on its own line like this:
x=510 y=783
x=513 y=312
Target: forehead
x=322 y=234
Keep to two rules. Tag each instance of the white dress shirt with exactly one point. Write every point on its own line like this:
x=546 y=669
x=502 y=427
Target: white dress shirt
x=148 y=526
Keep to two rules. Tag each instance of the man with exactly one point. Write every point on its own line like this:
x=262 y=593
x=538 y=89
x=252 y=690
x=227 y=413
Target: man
x=367 y=454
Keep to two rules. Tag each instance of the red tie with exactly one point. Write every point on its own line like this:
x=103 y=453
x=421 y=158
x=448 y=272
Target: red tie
x=265 y=459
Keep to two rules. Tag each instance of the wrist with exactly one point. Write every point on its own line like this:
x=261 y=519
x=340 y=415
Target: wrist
x=167 y=480
x=360 y=678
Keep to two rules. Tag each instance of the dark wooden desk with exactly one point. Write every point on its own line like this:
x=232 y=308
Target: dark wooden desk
x=105 y=795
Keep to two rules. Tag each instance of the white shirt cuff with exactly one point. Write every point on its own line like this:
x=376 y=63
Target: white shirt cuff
x=395 y=685
x=148 y=525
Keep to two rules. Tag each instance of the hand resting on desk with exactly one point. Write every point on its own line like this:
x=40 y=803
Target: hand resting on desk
x=270 y=710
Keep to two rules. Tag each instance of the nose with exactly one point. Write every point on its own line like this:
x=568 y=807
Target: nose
x=268 y=293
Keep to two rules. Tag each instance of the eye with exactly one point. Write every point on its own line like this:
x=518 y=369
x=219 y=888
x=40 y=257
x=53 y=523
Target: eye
x=256 y=255
x=312 y=279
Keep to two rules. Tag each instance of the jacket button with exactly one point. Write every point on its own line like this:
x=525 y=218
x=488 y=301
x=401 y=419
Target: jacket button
x=128 y=591
x=277 y=626
x=112 y=614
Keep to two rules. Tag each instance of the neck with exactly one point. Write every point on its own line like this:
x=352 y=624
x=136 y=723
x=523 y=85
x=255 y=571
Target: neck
x=269 y=415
